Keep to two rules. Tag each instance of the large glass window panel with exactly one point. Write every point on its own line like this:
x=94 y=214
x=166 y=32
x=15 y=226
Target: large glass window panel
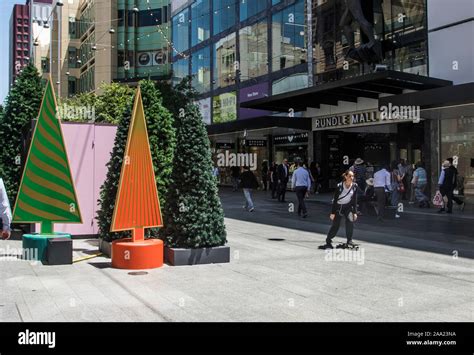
x=289 y=37
x=225 y=14
x=181 y=31
x=225 y=61
x=249 y=8
x=180 y=70
x=200 y=21
x=224 y=107
x=201 y=70
x=253 y=50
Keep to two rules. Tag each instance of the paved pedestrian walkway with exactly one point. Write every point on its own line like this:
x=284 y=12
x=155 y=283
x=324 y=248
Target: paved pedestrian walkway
x=276 y=273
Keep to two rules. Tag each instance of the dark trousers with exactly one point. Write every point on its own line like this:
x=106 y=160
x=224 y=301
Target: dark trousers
x=281 y=191
x=301 y=194
x=380 y=195
x=265 y=183
x=343 y=211
x=274 y=186
x=449 y=194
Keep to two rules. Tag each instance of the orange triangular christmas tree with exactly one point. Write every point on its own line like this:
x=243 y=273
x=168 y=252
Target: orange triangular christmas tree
x=137 y=205
x=46 y=194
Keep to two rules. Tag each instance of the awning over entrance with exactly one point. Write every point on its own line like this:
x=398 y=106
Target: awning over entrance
x=300 y=123
x=446 y=102
x=368 y=86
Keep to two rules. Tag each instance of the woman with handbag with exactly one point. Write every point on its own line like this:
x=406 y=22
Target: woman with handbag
x=344 y=205
x=397 y=188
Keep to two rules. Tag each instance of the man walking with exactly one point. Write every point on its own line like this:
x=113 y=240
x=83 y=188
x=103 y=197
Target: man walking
x=301 y=183
x=456 y=182
x=381 y=186
x=5 y=211
x=283 y=177
x=235 y=173
x=447 y=183
x=248 y=182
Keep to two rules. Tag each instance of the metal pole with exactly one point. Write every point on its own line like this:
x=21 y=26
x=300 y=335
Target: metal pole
x=309 y=16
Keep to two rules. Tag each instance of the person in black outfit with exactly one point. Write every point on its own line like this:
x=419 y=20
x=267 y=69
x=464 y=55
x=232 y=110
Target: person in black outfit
x=273 y=179
x=248 y=181
x=283 y=178
x=235 y=174
x=447 y=184
x=344 y=205
x=265 y=175
x=455 y=172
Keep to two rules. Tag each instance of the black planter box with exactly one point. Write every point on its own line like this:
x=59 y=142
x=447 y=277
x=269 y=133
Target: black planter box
x=179 y=257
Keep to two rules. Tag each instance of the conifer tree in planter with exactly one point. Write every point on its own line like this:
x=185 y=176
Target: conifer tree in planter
x=161 y=132
x=21 y=107
x=195 y=230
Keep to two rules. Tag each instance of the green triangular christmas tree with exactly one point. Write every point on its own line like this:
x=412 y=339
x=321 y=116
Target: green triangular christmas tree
x=47 y=193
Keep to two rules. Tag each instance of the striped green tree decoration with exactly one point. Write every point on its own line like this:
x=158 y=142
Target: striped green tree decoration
x=46 y=194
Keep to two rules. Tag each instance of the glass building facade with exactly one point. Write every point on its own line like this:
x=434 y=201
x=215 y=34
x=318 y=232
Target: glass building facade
x=229 y=45
x=143 y=39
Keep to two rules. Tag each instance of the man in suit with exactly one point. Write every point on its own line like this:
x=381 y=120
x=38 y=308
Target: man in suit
x=283 y=178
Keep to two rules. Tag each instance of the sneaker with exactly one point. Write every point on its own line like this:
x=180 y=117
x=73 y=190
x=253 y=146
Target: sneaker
x=462 y=206
x=305 y=216
x=350 y=243
x=252 y=209
x=441 y=210
x=397 y=216
x=326 y=246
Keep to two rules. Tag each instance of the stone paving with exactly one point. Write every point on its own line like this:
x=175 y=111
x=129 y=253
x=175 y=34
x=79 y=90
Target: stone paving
x=275 y=274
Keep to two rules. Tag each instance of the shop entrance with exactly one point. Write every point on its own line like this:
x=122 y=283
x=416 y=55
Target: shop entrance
x=376 y=145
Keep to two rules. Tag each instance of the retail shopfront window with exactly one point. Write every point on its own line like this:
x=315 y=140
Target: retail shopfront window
x=457 y=141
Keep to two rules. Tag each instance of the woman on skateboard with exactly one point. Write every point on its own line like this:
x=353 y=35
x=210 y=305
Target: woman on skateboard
x=344 y=205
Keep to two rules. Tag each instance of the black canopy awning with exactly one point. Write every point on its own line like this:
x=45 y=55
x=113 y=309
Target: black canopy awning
x=369 y=86
x=303 y=123
x=445 y=102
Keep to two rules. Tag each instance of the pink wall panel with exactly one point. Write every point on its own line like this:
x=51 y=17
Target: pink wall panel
x=88 y=147
x=104 y=143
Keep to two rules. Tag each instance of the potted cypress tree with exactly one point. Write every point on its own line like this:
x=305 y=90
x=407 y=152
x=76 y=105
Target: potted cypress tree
x=161 y=132
x=194 y=230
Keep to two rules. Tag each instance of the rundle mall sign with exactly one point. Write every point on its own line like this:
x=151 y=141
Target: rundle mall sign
x=353 y=119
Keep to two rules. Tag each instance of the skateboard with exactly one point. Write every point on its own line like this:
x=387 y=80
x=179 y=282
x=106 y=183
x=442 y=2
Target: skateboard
x=345 y=246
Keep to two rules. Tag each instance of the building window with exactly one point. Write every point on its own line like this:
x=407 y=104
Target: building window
x=253 y=50
x=225 y=61
x=25 y=29
x=290 y=83
x=181 y=31
x=224 y=107
x=224 y=15
x=120 y=17
x=180 y=70
x=289 y=37
x=19 y=29
x=25 y=53
x=200 y=22
x=18 y=37
x=45 y=65
x=72 y=57
x=25 y=21
x=71 y=86
x=201 y=70
x=249 y=8
x=72 y=28
x=18 y=21
x=149 y=18
x=25 y=37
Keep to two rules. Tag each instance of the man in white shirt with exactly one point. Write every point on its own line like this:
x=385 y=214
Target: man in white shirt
x=5 y=211
x=301 y=183
x=381 y=186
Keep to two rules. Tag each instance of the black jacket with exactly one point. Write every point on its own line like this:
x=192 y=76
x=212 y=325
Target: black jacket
x=281 y=173
x=450 y=177
x=248 y=180
x=337 y=195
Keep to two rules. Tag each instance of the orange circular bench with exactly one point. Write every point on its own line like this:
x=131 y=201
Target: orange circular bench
x=139 y=255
